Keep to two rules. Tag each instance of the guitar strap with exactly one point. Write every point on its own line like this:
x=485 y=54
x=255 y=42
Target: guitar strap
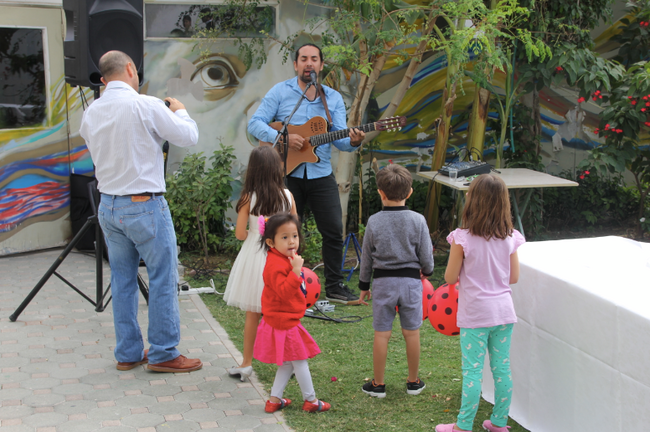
x=327 y=111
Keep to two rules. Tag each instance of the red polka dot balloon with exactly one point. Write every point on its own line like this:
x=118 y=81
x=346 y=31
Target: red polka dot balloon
x=427 y=295
x=312 y=284
x=443 y=308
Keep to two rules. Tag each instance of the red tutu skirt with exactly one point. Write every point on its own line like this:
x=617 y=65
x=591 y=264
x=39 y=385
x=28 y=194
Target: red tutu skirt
x=277 y=346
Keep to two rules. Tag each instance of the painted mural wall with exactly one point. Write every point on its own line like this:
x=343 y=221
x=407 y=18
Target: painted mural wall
x=36 y=157
x=39 y=114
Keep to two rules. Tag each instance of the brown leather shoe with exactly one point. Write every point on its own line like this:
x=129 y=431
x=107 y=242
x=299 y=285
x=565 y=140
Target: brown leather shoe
x=124 y=366
x=179 y=364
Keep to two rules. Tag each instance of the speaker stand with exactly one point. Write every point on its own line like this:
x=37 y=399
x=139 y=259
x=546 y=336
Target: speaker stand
x=100 y=295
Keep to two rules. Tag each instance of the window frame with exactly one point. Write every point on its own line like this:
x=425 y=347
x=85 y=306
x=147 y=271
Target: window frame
x=46 y=72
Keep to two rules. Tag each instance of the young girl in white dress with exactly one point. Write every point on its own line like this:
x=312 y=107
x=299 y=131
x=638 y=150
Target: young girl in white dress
x=263 y=194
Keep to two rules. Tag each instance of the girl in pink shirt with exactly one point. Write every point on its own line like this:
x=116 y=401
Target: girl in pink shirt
x=483 y=260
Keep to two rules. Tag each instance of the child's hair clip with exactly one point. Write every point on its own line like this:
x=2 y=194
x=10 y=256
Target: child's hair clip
x=261 y=221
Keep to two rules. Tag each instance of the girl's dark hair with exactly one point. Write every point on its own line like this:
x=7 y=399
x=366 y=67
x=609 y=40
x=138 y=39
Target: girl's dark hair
x=320 y=53
x=487 y=208
x=264 y=177
x=275 y=222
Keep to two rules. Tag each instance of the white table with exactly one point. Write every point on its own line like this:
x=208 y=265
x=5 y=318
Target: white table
x=514 y=178
x=580 y=353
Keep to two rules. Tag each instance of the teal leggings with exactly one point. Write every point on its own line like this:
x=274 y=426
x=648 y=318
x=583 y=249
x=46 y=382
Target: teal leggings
x=472 y=344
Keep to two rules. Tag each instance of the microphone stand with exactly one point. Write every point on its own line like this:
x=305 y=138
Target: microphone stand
x=284 y=132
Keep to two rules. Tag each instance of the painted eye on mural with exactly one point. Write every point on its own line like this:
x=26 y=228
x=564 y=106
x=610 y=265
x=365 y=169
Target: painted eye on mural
x=219 y=75
x=216 y=74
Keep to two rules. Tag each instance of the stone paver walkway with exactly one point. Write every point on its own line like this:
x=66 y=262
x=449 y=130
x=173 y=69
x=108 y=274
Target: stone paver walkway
x=57 y=369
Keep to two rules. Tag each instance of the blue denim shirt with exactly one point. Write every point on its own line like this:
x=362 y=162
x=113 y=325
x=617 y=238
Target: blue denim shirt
x=278 y=104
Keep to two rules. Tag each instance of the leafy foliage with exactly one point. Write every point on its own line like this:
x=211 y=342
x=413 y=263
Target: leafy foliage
x=198 y=199
x=634 y=36
x=598 y=200
x=313 y=248
x=247 y=23
x=626 y=114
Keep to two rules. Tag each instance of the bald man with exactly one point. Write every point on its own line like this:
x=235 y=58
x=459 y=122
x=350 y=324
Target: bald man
x=124 y=132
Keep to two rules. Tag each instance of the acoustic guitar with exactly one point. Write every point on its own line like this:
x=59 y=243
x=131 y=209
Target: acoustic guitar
x=315 y=133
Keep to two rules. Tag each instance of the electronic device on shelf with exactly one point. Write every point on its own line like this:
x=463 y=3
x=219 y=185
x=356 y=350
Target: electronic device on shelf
x=466 y=169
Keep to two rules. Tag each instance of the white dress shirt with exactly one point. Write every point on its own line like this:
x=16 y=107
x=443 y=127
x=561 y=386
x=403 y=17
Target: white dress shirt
x=124 y=132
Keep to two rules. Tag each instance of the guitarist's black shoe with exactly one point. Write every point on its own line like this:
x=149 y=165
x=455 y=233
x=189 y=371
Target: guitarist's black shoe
x=341 y=294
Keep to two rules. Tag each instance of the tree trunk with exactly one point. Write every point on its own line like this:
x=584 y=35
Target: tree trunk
x=347 y=160
x=440 y=149
x=404 y=85
x=478 y=122
x=537 y=125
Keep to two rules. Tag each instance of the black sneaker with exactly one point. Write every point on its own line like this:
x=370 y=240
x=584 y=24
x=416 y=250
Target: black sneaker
x=341 y=294
x=415 y=388
x=378 y=391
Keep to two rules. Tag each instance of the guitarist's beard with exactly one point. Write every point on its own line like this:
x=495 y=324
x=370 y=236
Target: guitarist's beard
x=305 y=77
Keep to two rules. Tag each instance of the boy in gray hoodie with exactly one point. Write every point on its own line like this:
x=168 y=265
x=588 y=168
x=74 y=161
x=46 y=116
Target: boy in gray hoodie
x=397 y=253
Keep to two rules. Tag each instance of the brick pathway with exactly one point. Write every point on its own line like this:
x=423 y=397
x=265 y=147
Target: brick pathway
x=57 y=369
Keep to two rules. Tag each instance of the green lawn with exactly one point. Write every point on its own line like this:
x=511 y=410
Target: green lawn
x=347 y=355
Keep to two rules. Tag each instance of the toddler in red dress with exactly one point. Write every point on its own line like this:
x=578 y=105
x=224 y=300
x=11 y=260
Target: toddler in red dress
x=281 y=339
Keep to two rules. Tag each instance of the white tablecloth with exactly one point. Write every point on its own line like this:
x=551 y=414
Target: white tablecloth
x=580 y=353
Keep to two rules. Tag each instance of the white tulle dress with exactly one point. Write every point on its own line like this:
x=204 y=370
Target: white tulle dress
x=245 y=283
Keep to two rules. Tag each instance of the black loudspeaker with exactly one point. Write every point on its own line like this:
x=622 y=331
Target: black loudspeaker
x=94 y=27
x=81 y=209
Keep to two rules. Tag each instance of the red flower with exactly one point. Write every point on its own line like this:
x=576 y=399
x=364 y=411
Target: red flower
x=619 y=130
x=587 y=172
x=600 y=97
x=597 y=130
x=642 y=109
x=645 y=98
x=559 y=69
x=582 y=177
x=629 y=97
x=647 y=104
x=607 y=126
x=647 y=124
x=633 y=102
x=581 y=100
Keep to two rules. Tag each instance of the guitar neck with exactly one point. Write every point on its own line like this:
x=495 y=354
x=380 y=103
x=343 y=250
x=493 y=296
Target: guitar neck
x=325 y=138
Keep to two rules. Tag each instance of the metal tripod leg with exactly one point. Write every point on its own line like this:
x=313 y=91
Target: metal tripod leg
x=357 y=249
x=52 y=271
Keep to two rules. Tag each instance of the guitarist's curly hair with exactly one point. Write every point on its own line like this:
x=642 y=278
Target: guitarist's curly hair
x=308 y=44
x=264 y=178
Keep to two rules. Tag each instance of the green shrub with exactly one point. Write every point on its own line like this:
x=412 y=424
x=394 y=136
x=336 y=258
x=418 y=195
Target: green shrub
x=313 y=248
x=597 y=201
x=198 y=198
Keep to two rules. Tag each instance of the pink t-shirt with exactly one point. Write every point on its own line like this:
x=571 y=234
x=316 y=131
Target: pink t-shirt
x=484 y=295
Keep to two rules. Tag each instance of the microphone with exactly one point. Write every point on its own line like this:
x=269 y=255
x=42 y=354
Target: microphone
x=314 y=77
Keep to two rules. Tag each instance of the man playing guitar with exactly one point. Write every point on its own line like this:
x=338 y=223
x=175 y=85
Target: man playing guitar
x=313 y=184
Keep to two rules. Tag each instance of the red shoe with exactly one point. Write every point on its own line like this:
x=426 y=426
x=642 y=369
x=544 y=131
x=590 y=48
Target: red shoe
x=179 y=364
x=319 y=406
x=272 y=407
x=124 y=366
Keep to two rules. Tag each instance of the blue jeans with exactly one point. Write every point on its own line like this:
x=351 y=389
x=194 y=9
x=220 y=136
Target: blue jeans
x=133 y=230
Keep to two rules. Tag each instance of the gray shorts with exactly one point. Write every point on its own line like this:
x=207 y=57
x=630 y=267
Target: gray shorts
x=396 y=291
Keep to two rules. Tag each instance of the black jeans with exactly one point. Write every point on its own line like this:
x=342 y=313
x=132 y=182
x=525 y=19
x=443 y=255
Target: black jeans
x=322 y=197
